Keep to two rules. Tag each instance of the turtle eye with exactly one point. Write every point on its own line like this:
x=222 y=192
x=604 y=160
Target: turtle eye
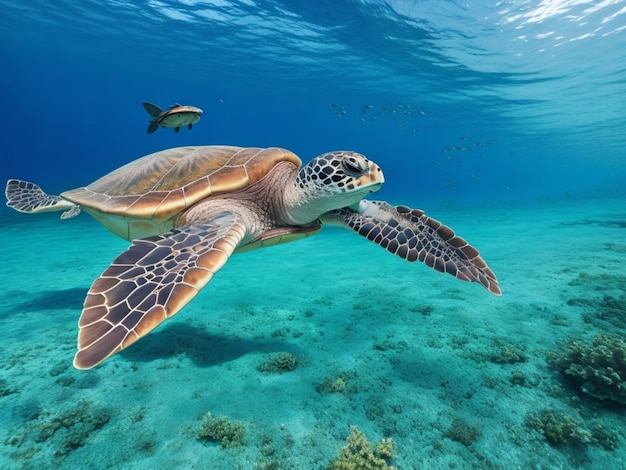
x=353 y=166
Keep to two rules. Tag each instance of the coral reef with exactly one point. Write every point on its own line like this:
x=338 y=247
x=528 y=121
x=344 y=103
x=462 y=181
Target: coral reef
x=279 y=363
x=518 y=378
x=329 y=385
x=358 y=453
x=389 y=345
x=76 y=425
x=599 y=368
x=557 y=428
x=503 y=352
x=65 y=430
x=607 y=311
x=223 y=430
x=461 y=431
x=561 y=429
x=507 y=355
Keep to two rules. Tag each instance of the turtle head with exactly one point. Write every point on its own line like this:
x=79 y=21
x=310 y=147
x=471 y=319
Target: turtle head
x=334 y=180
x=340 y=173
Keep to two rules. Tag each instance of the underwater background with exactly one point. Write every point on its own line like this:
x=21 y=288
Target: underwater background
x=506 y=120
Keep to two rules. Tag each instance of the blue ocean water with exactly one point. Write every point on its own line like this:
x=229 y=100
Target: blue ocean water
x=506 y=99
x=504 y=119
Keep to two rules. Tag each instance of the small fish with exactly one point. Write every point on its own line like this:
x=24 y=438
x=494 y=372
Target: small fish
x=176 y=116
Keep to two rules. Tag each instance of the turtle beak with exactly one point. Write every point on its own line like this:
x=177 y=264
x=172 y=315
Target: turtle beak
x=376 y=174
x=371 y=180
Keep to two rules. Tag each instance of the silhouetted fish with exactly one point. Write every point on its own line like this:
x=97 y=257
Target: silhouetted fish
x=176 y=116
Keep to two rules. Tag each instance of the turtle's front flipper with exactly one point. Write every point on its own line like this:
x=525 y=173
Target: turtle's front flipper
x=30 y=198
x=150 y=282
x=412 y=235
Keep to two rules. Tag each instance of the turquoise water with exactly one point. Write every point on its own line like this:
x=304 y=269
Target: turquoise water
x=506 y=121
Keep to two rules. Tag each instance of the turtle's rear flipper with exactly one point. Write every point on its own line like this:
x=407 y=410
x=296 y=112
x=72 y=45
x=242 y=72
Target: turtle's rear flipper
x=30 y=198
x=412 y=235
x=150 y=282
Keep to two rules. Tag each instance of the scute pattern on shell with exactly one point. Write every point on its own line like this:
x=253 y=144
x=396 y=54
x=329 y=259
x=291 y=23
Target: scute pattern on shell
x=160 y=185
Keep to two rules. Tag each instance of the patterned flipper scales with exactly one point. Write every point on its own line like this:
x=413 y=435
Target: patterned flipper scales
x=150 y=282
x=412 y=235
x=24 y=196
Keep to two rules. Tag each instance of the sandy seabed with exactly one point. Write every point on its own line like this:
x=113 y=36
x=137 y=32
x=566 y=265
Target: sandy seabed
x=456 y=377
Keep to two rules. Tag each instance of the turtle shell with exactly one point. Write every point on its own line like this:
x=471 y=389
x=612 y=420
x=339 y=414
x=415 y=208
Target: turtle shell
x=159 y=186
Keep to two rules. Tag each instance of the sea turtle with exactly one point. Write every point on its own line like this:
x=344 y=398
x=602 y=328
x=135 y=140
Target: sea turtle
x=176 y=116
x=187 y=209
